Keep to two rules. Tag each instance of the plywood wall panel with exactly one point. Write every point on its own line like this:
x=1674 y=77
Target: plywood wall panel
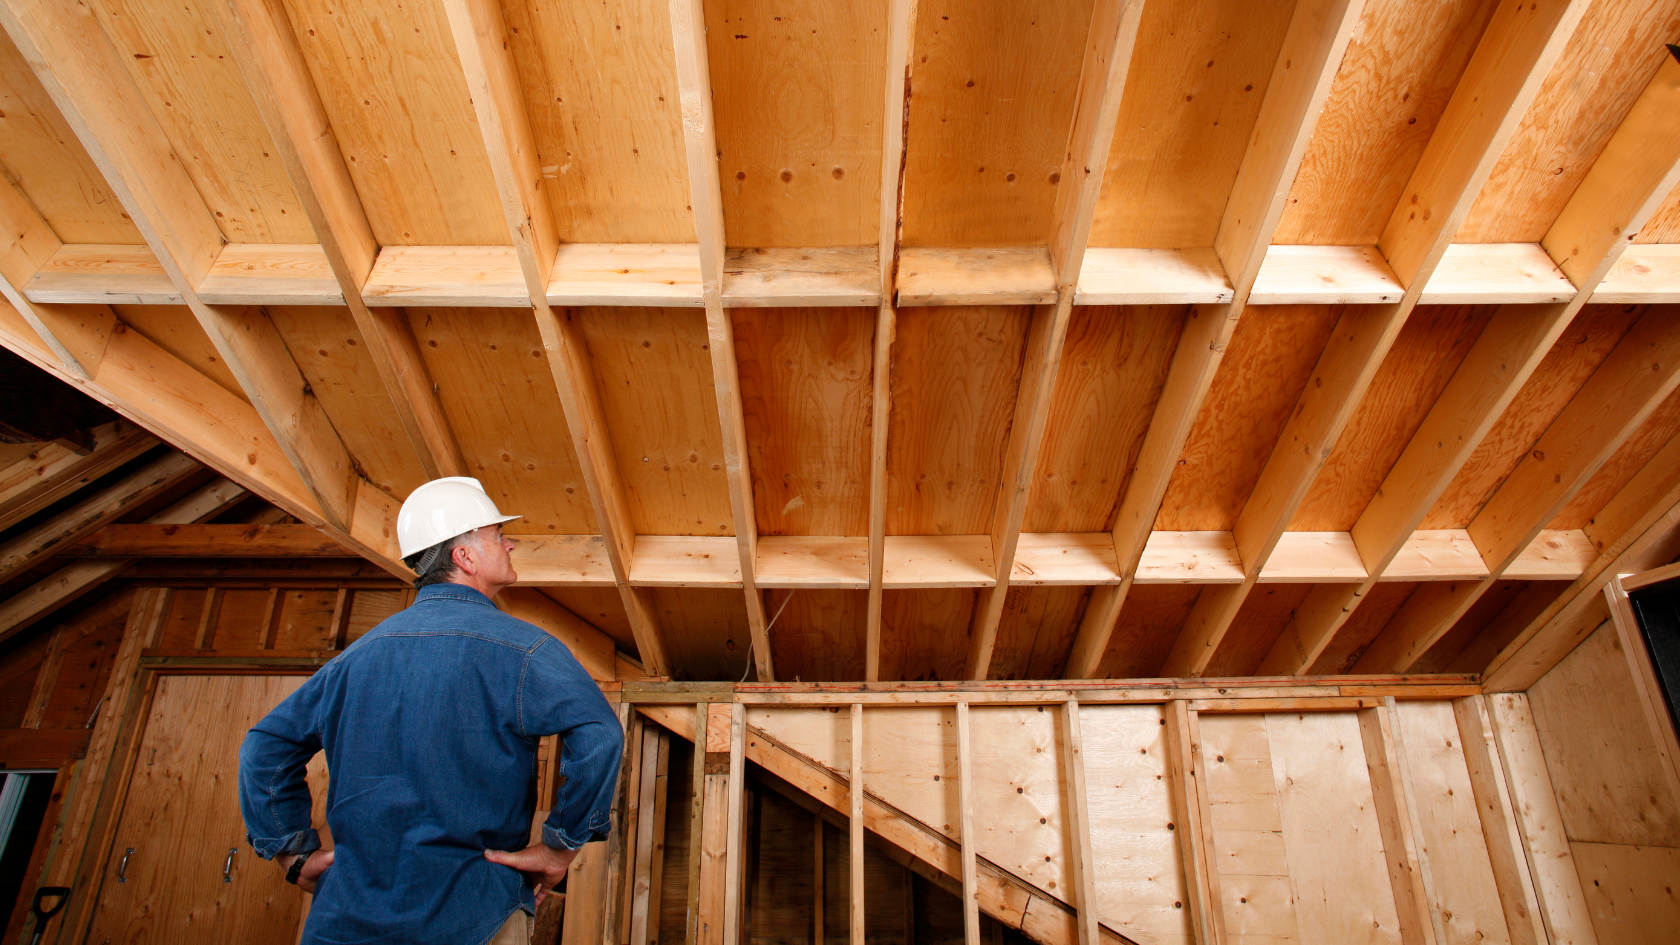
x=806 y=394
x=1247 y=831
x=796 y=90
x=1113 y=364
x=600 y=88
x=499 y=397
x=955 y=374
x=1265 y=367
x=1139 y=871
x=391 y=82
x=334 y=359
x=41 y=155
x=921 y=630
x=1149 y=624
x=181 y=63
x=819 y=635
x=1630 y=891
x=1192 y=96
x=1019 y=784
x=1401 y=68
x=1413 y=374
x=1444 y=805
x=304 y=620
x=1573 y=358
x=654 y=372
x=174 y=329
x=1600 y=753
x=1036 y=631
x=1604 y=68
x=1337 y=869
x=993 y=98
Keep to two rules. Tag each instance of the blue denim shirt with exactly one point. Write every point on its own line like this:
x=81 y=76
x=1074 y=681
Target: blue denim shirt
x=430 y=723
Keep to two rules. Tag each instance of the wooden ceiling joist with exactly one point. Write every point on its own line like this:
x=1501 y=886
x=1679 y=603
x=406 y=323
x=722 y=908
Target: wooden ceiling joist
x=64 y=586
x=55 y=471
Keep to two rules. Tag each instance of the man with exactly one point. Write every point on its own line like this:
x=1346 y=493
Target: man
x=430 y=723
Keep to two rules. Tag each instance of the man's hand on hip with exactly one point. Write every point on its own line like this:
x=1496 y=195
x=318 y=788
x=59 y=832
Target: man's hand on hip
x=542 y=865
x=313 y=868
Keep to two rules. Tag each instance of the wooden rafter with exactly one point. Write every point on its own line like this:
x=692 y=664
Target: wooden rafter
x=481 y=40
x=267 y=52
x=1317 y=38
x=688 y=36
x=1102 y=84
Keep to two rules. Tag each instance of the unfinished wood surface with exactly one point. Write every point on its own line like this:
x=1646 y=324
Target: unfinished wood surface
x=1467 y=897
x=1557 y=881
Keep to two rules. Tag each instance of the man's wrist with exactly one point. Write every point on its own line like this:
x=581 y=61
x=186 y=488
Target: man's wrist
x=294 y=869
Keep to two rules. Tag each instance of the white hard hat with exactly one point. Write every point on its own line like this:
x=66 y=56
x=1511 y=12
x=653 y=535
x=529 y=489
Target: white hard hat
x=442 y=509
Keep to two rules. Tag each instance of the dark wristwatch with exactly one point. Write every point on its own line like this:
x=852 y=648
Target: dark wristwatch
x=296 y=869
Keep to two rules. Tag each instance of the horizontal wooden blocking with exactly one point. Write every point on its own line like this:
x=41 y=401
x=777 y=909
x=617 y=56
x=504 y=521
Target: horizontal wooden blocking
x=263 y=274
x=1496 y=273
x=1324 y=275
x=468 y=276
x=102 y=274
x=1642 y=274
x=1010 y=276
x=142 y=540
x=1110 y=276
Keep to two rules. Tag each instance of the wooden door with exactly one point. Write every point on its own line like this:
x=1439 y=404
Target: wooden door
x=180 y=820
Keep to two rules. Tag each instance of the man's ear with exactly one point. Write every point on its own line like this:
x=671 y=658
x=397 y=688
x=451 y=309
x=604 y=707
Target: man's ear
x=465 y=557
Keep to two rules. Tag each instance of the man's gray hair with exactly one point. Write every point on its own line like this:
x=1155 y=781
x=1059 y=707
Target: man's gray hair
x=436 y=564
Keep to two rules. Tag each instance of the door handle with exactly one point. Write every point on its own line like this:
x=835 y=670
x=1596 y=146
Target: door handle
x=122 y=868
x=227 y=867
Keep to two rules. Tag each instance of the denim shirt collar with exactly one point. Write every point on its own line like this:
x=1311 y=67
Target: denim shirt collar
x=447 y=591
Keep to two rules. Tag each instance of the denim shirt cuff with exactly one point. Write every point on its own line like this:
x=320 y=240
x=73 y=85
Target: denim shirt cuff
x=303 y=841
x=560 y=840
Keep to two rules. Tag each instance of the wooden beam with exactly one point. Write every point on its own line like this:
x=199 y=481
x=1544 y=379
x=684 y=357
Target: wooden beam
x=263 y=44
x=895 y=125
x=965 y=806
x=1319 y=31
x=1650 y=506
x=713 y=829
x=1557 y=884
x=1516 y=53
x=481 y=40
x=694 y=84
x=1504 y=356
x=1194 y=828
x=699 y=732
x=55 y=471
x=735 y=858
x=1102 y=81
x=1350 y=360
x=1518 y=48
x=855 y=795
x=26 y=607
x=1499 y=825
x=1078 y=824
x=78 y=66
x=1626 y=185
x=159 y=540
x=1412 y=902
x=1625 y=389
x=44 y=540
